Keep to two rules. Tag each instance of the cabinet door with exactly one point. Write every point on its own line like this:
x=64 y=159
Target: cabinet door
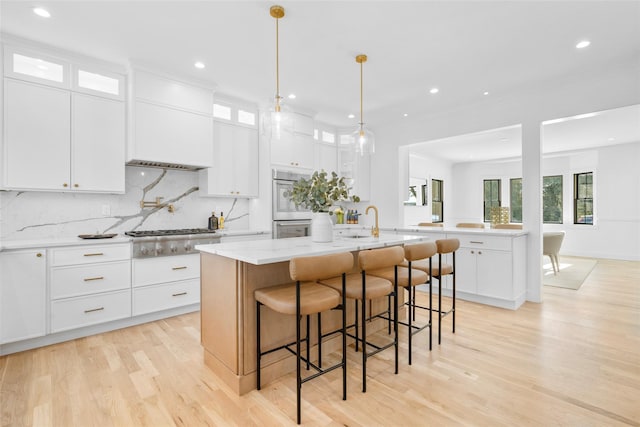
x=23 y=293
x=169 y=135
x=326 y=157
x=245 y=161
x=98 y=144
x=494 y=273
x=466 y=270
x=38 y=134
x=235 y=162
x=293 y=151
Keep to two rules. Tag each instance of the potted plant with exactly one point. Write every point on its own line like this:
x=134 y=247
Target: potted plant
x=318 y=194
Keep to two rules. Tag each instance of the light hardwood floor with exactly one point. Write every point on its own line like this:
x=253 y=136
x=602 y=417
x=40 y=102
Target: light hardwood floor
x=573 y=360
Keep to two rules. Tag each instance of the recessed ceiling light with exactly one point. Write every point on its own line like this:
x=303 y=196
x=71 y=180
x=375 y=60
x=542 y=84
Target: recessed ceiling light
x=434 y=90
x=292 y=96
x=583 y=44
x=351 y=116
x=199 y=65
x=486 y=93
x=406 y=114
x=41 y=12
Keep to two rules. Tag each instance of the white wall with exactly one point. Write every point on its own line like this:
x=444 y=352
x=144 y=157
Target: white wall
x=588 y=91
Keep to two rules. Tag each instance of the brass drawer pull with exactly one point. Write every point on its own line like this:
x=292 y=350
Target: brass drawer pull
x=94 y=309
x=479 y=243
x=39 y=255
x=179 y=268
x=181 y=293
x=88 y=279
x=95 y=254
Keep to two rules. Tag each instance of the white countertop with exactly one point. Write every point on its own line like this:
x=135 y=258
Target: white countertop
x=454 y=230
x=120 y=238
x=276 y=250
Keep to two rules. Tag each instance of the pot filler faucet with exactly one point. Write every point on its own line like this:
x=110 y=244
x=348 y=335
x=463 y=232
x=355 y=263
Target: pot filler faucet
x=375 y=231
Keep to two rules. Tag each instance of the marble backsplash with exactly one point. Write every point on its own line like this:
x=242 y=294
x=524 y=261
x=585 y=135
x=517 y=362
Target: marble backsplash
x=34 y=215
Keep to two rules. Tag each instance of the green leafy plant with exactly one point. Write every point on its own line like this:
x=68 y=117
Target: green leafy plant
x=320 y=192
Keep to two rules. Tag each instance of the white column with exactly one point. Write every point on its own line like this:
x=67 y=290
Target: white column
x=532 y=205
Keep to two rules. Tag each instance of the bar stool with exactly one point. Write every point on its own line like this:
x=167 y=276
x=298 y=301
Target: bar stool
x=304 y=298
x=446 y=246
x=419 y=258
x=404 y=277
x=364 y=287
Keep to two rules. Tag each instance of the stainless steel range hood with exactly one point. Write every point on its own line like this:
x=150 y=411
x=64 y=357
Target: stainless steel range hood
x=163 y=165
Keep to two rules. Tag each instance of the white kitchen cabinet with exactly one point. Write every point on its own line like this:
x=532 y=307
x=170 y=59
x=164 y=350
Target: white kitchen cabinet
x=37 y=137
x=62 y=141
x=235 y=162
x=491 y=269
x=172 y=122
x=357 y=171
x=23 y=295
x=98 y=144
x=326 y=157
x=89 y=285
x=293 y=151
x=302 y=124
x=163 y=283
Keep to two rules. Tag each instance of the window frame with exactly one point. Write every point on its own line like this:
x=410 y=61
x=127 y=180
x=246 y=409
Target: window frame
x=487 y=215
x=577 y=199
x=437 y=199
x=511 y=219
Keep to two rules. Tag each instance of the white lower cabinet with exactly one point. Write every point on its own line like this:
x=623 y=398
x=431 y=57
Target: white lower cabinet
x=147 y=299
x=71 y=313
x=23 y=295
x=89 y=285
x=165 y=282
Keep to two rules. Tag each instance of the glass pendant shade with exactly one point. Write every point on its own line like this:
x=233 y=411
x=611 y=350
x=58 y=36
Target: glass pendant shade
x=280 y=123
x=363 y=140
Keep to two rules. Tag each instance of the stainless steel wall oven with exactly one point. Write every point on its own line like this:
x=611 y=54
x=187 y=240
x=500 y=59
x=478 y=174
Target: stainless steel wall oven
x=288 y=220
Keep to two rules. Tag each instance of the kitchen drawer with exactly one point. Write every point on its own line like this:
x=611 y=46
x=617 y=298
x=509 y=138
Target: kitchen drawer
x=152 y=271
x=89 y=310
x=484 y=242
x=90 y=254
x=148 y=299
x=90 y=279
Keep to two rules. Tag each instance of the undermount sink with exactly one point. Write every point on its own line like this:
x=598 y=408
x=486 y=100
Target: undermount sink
x=357 y=236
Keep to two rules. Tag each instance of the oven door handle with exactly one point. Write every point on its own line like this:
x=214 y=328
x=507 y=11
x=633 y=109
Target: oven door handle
x=287 y=223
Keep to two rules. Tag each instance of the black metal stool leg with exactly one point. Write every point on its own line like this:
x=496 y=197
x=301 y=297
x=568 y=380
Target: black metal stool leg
x=258 y=351
x=320 y=340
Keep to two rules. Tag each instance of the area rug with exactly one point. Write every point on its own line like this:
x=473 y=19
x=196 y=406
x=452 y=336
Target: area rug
x=573 y=272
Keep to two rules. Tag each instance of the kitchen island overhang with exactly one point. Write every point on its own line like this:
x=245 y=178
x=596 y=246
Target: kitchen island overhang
x=230 y=274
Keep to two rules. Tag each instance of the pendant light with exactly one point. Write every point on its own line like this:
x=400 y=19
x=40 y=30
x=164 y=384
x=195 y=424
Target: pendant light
x=363 y=138
x=280 y=120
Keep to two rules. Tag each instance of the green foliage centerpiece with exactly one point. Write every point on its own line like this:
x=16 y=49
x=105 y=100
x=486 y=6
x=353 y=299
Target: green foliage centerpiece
x=318 y=194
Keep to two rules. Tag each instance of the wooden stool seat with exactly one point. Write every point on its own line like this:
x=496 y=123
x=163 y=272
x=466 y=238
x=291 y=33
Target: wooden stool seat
x=418 y=277
x=423 y=265
x=314 y=298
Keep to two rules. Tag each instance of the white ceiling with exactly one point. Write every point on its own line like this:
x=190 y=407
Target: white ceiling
x=462 y=47
x=617 y=126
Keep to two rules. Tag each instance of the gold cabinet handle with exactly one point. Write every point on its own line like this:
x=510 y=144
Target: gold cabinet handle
x=89 y=279
x=179 y=294
x=479 y=243
x=94 y=309
x=76 y=185
x=179 y=268
x=95 y=254
x=65 y=185
x=39 y=255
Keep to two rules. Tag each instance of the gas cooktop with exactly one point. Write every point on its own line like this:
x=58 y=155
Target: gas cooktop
x=178 y=232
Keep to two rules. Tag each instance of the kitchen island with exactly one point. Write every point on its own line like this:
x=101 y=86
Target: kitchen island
x=231 y=272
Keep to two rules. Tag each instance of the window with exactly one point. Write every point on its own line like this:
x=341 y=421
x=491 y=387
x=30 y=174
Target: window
x=515 y=195
x=246 y=117
x=328 y=137
x=552 y=199
x=98 y=82
x=436 y=200
x=221 y=111
x=583 y=198
x=491 y=197
x=37 y=67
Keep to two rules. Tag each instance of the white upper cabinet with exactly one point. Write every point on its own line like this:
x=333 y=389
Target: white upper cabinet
x=295 y=149
x=37 y=137
x=98 y=148
x=235 y=152
x=325 y=147
x=55 y=138
x=172 y=122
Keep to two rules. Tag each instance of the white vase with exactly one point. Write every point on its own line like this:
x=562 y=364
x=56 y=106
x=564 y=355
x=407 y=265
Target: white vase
x=321 y=227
